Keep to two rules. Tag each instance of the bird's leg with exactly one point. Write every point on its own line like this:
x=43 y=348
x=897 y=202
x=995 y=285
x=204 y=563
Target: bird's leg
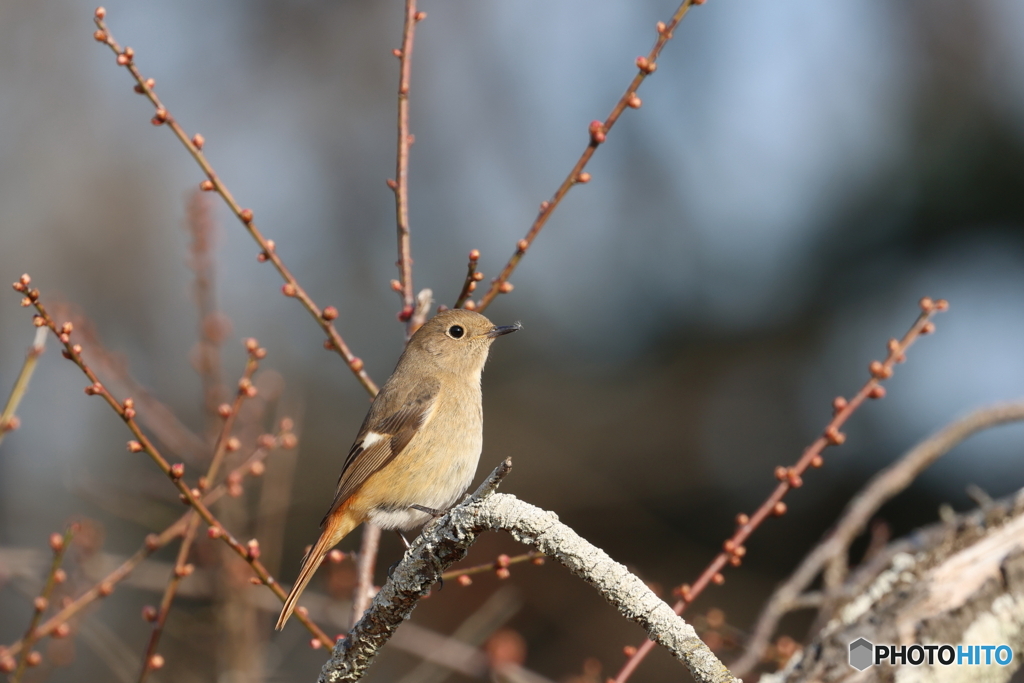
x=434 y=513
x=405 y=542
x=430 y=511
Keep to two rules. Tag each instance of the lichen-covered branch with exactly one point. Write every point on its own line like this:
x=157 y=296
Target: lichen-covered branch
x=449 y=539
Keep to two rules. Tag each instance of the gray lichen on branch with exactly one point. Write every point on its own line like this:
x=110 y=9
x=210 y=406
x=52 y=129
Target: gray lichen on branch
x=448 y=540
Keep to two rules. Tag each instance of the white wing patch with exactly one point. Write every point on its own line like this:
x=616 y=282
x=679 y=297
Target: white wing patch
x=371 y=438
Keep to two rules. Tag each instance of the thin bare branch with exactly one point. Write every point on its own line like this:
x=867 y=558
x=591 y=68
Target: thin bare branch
x=598 y=134
x=151 y=660
x=473 y=276
x=27 y=657
x=194 y=145
x=400 y=183
x=229 y=413
x=501 y=562
x=363 y=593
x=414 y=309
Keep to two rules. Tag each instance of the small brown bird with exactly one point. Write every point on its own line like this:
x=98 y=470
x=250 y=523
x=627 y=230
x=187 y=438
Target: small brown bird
x=420 y=443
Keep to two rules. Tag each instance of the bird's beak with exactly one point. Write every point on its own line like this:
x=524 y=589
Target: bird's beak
x=498 y=331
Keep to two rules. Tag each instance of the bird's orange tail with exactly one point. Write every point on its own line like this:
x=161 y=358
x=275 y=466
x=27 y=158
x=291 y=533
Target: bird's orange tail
x=336 y=528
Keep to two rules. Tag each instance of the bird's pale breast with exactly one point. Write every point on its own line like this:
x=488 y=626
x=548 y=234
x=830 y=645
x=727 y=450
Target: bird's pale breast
x=436 y=467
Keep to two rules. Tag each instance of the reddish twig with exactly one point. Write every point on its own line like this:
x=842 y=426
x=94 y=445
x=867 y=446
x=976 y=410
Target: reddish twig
x=225 y=442
x=291 y=288
x=400 y=183
x=413 y=311
x=8 y=420
x=151 y=660
x=28 y=657
x=246 y=389
x=473 y=276
x=791 y=477
x=598 y=134
x=367 y=560
x=499 y=566
x=154 y=542
x=126 y=411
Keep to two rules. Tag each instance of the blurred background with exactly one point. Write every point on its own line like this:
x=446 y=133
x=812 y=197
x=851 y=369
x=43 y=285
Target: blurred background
x=799 y=175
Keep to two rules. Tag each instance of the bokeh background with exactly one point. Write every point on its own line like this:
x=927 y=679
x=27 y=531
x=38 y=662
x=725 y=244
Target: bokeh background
x=799 y=175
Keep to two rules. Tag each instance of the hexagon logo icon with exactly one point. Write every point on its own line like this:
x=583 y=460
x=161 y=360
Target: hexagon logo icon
x=861 y=654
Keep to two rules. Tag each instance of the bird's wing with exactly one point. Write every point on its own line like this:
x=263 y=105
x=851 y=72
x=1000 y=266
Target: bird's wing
x=384 y=435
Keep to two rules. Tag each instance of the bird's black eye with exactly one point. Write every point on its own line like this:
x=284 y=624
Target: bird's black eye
x=456 y=331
